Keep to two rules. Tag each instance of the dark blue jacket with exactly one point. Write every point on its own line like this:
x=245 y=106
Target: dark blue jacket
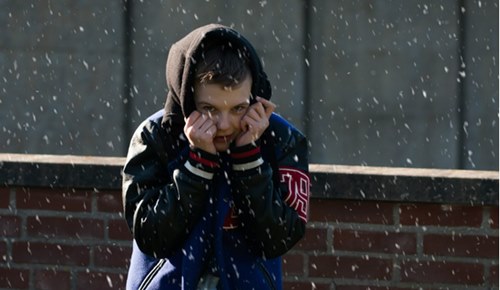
x=179 y=232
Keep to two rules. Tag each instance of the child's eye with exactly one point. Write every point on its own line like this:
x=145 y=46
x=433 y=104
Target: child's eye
x=208 y=109
x=240 y=109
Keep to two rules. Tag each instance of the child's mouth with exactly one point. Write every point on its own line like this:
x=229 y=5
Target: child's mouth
x=222 y=139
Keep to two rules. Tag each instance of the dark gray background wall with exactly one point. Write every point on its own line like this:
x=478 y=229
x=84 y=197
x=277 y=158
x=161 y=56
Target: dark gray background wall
x=408 y=83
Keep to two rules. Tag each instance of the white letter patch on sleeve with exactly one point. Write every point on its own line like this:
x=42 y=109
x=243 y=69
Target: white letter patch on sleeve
x=299 y=185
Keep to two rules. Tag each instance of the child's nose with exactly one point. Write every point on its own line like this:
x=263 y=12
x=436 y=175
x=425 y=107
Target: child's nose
x=223 y=121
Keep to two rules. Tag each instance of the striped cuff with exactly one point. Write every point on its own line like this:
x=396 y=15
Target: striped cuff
x=246 y=158
x=201 y=163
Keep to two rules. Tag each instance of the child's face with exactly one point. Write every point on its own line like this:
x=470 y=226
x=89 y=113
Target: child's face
x=225 y=106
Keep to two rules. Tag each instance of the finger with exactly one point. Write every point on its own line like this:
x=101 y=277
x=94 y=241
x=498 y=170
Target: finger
x=256 y=112
x=268 y=106
x=265 y=102
x=251 y=124
x=208 y=125
x=244 y=126
x=202 y=119
x=260 y=109
x=193 y=117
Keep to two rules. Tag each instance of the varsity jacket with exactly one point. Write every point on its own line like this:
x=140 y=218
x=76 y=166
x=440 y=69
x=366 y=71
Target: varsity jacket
x=196 y=216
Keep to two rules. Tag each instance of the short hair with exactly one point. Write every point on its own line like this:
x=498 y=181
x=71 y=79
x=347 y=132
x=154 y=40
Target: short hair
x=223 y=64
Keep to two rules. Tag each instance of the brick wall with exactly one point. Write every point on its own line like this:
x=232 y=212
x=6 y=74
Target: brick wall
x=75 y=237
x=62 y=239
x=353 y=245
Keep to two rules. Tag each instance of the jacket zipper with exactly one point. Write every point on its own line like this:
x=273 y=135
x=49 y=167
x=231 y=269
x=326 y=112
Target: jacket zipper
x=149 y=277
x=267 y=276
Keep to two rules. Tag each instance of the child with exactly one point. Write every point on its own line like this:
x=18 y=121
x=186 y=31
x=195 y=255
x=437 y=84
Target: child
x=215 y=185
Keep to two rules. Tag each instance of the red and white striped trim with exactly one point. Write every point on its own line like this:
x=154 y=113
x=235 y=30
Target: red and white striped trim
x=197 y=171
x=248 y=165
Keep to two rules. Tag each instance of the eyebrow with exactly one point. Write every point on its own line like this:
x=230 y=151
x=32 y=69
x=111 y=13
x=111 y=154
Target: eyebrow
x=240 y=104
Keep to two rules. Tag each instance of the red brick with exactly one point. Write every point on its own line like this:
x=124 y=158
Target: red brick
x=10 y=226
x=109 y=201
x=293 y=265
x=370 y=241
x=494 y=275
x=493 y=218
x=112 y=256
x=52 y=279
x=65 y=227
x=14 y=278
x=296 y=285
x=441 y=215
x=442 y=272
x=53 y=199
x=349 y=267
x=4 y=197
x=54 y=254
x=324 y=210
x=3 y=252
x=118 y=230
x=461 y=245
x=101 y=281
x=315 y=239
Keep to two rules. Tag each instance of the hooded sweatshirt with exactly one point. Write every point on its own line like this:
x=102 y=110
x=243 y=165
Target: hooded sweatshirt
x=197 y=217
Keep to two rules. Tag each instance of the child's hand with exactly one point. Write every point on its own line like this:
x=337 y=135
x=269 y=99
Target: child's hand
x=200 y=131
x=255 y=121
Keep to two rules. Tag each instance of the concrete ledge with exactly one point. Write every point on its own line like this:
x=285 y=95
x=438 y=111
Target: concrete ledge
x=328 y=181
x=64 y=171
x=405 y=184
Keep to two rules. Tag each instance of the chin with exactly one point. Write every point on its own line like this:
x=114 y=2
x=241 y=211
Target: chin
x=221 y=147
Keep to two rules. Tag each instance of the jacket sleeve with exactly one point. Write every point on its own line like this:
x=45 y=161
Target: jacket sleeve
x=273 y=216
x=163 y=198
